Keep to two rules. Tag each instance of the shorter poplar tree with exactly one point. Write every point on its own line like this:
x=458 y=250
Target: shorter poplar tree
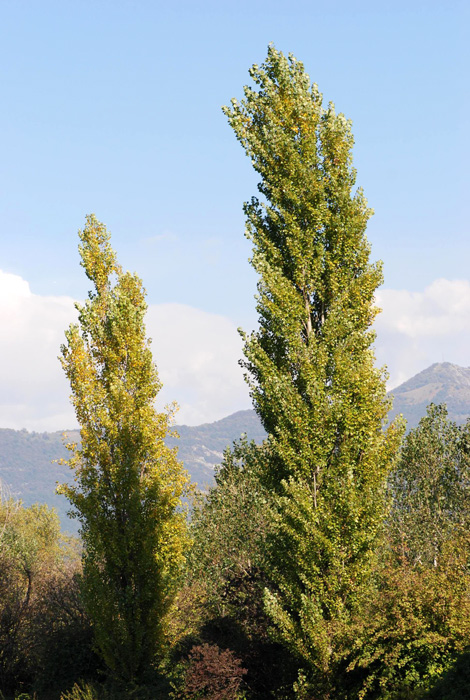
x=128 y=483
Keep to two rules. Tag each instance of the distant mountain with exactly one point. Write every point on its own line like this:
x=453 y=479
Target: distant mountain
x=201 y=447
x=30 y=462
x=26 y=459
x=443 y=382
x=29 y=467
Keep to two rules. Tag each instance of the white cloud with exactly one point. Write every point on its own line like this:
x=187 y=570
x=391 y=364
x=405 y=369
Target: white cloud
x=197 y=357
x=416 y=329
x=196 y=353
x=33 y=391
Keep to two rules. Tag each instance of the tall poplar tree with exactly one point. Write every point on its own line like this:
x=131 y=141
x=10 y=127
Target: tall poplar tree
x=310 y=365
x=128 y=484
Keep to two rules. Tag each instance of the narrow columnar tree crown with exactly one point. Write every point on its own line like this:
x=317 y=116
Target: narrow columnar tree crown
x=128 y=484
x=310 y=365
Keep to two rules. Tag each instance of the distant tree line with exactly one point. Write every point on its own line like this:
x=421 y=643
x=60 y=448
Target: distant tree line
x=331 y=562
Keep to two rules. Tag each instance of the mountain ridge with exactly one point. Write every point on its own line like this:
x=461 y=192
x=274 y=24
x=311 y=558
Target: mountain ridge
x=442 y=382
x=30 y=462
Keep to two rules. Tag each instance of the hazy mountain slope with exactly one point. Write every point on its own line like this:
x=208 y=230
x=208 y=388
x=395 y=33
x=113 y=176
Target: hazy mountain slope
x=201 y=447
x=26 y=458
x=443 y=382
x=28 y=469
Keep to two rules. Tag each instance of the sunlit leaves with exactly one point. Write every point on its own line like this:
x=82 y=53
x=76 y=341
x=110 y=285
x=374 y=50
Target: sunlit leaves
x=310 y=365
x=128 y=484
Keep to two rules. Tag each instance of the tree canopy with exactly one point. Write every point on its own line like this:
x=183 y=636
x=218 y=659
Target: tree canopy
x=310 y=365
x=128 y=483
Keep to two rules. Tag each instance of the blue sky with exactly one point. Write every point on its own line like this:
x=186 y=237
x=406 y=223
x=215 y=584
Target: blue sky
x=114 y=108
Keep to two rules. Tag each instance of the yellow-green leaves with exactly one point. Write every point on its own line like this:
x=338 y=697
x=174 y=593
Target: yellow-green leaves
x=128 y=484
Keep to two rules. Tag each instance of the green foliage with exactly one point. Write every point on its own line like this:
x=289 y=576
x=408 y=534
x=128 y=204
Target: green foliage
x=82 y=691
x=310 y=365
x=29 y=549
x=229 y=525
x=414 y=626
x=418 y=617
x=44 y=635
x=221 y=601
x=455 y=684
x=430 y=488
x=128 y=487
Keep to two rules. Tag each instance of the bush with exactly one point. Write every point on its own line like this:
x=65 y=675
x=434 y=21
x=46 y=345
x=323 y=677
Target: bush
x=415 y=627
x=45 y=636
x=212 y=673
